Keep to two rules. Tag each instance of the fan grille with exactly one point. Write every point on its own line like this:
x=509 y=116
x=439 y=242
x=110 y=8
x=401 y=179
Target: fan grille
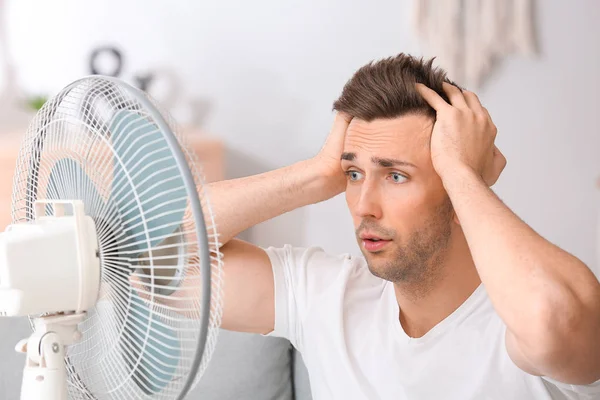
x=141 y=318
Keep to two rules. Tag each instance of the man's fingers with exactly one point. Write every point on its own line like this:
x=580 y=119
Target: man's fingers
x=344 y=116
x=473 y=102
x=340 y=126
x=342 y=120
x=455 y=96
x=335 y=140
x=431 y=97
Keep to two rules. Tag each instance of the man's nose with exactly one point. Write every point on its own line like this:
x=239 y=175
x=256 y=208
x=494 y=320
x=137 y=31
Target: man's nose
x=368 y=204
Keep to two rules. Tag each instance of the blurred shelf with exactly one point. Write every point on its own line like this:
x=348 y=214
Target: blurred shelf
x=209 y=151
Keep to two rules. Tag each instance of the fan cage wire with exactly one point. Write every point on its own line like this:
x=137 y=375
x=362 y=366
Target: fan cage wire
x=56 y=132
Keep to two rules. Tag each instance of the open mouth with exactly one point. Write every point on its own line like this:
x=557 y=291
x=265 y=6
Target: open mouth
x=374 y=244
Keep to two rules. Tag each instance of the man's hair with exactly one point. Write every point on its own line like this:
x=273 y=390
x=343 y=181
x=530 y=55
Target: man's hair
x=386 y=88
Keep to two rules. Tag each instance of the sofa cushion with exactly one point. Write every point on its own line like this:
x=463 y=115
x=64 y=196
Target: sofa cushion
x=247 y=366
x=301 y=381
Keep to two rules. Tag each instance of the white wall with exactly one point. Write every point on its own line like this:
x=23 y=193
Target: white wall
x=271 y=70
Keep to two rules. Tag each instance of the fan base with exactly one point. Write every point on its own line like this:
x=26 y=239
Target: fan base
x=45 y=375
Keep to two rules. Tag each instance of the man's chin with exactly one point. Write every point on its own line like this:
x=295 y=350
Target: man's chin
x=378 y=268
x=378 y=260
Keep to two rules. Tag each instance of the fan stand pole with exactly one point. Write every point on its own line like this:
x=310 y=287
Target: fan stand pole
x=45 y=375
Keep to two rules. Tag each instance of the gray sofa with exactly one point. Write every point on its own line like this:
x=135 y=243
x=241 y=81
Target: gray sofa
x=244 y=367
x=253 y=367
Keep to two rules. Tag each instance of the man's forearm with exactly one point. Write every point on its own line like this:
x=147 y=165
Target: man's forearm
x=541 y=292
x=239 y=204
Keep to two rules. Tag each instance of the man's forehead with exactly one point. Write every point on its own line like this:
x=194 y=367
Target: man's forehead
x=408 y=132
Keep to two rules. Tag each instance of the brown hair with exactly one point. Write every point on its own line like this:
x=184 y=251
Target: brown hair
x=386 y=88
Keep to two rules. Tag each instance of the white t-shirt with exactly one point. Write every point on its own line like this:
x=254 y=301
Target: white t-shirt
x=344 y=321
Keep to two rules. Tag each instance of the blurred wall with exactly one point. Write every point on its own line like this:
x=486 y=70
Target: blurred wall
x=270 y=71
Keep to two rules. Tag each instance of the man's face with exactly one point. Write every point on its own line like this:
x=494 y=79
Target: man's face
x=395 y=195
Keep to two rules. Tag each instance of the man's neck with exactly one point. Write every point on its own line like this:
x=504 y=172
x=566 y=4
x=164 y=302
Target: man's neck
x=456 y=281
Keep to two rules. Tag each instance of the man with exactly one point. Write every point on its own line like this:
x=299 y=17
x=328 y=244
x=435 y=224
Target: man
x=455 y=297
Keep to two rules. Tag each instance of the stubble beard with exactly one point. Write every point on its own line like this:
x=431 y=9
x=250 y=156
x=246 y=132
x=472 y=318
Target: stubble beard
x=418 y=264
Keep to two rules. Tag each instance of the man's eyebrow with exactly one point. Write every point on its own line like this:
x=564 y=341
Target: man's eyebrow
x=391 y=162
x=383 y=162
x=348 y=156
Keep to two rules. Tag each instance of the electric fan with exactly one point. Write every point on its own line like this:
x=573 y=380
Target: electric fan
x=112 y=252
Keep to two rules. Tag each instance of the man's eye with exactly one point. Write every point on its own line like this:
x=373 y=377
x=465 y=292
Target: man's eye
x=354 y=175
x=398 y=178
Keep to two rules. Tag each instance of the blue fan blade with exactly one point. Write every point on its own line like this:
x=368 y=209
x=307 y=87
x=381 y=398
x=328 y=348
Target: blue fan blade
x=75 y=186
x=156 y=367
x=145 y=166
x=155 y=348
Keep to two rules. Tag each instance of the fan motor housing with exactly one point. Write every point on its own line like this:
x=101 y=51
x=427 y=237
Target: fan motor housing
x=51 y=264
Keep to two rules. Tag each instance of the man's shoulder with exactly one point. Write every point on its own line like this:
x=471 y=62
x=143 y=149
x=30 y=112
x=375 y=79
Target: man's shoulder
x=315 y=263
x=312 y=256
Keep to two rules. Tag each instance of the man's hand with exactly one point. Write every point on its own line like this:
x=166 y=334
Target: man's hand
x=532 y=283
x=463 y=135
x=239 y=204
x=328 y=160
